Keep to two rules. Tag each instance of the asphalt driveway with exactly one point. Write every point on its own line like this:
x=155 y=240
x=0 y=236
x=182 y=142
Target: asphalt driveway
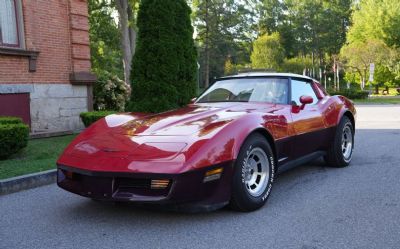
x=311 y=206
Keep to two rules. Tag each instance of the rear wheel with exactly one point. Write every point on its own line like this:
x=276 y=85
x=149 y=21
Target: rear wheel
x=253 y=174
x=341 y=149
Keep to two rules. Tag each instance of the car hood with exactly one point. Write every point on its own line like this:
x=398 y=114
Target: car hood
x=182 y=122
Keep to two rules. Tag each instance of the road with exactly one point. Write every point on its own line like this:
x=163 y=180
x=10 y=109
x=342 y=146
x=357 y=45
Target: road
x=311 y=206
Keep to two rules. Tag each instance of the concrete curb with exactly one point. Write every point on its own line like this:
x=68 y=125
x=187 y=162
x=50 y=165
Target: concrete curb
x=15 y=184
x=50 y=134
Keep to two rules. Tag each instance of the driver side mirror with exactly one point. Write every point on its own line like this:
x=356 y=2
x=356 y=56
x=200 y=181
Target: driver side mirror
x=304 y=100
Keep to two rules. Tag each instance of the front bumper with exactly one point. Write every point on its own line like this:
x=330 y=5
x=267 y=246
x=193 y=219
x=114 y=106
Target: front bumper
x=185 y=188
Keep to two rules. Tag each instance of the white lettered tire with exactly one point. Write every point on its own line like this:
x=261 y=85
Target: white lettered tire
x=253 y=174
x=340 y=151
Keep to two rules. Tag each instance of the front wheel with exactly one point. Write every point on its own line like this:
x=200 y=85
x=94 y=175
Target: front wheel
x=341 y=150
x=253 y=175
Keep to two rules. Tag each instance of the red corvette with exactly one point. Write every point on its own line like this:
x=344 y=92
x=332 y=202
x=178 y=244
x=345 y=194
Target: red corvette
x=225 y=148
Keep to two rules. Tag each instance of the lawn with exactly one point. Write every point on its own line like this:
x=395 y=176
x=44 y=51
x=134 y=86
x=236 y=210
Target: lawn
x=392 y=92
x=40 y=155
x=378 y=100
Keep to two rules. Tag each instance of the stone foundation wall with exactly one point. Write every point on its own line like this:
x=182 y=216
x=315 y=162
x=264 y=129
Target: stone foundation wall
x=53 y=107
x=56 y=107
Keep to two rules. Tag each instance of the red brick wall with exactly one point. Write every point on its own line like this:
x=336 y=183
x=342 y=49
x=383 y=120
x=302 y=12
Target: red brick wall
x=58 y=29
x=79 y=36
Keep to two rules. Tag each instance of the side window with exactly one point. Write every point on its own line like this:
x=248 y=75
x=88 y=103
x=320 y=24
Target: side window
x=299 y=88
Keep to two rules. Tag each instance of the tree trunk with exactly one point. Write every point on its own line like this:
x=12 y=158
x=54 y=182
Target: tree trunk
x=207 y=48
x=362 y=82
x=334 y=74
x=338 y=76
x=128 y=35
x=132 y=31
x=364 y=78
x=312 y=63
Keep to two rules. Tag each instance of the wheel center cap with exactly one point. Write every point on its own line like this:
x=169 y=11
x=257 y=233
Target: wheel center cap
x=249 y=172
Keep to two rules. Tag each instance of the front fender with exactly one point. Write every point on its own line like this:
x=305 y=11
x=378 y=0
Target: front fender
x=226 y=143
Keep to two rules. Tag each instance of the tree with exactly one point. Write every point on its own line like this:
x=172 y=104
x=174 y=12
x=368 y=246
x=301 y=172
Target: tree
x=272 y=15
x=105 y=51
x=314 y=28
x=379 y=20
x=297 y=64
x=268 y=52
x=229 y=66
x=127 y=23
x=164 y=65
x=383 y=76
x=224 y=27
x=307 y=26
x=358 y=56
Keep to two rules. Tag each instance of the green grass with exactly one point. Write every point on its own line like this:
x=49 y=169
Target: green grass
x=378 y=100
x=392 y=92
x=40 y=155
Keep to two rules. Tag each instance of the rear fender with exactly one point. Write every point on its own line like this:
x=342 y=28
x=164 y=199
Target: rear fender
x=347 y=109
x=336 y=107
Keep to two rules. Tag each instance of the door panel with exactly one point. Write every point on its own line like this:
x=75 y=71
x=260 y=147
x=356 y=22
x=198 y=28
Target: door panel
x=282 y=129
x=308 y=123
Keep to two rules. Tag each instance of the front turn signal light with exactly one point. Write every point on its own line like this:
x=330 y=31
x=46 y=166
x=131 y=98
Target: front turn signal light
x=213 y=174
x=159 y=184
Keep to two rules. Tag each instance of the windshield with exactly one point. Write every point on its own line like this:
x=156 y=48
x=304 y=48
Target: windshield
x=271 y=90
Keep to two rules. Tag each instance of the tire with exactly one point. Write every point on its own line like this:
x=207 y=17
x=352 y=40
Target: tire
x=253 y=174
x=97 y=200
x=340 y=151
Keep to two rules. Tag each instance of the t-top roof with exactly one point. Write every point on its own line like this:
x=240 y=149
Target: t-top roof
x=262 y=74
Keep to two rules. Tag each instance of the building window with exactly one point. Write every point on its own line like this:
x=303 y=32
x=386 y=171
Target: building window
x=10 y=23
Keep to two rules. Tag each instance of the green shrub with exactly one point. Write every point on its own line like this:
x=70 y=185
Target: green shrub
x=10 y=120
x=110 y=92
x=268 y=52
x=89 y=118
x=165 y=62
x=13 y=137
x=351 y=93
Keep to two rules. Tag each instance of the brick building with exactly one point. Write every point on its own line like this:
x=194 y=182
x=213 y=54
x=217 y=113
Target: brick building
x=45 y=63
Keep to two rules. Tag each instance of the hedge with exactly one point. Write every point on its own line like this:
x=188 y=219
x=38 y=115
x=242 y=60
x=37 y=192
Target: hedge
x=89 y=118
x=351 y=93
x=10 y=120
x=13 y=137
